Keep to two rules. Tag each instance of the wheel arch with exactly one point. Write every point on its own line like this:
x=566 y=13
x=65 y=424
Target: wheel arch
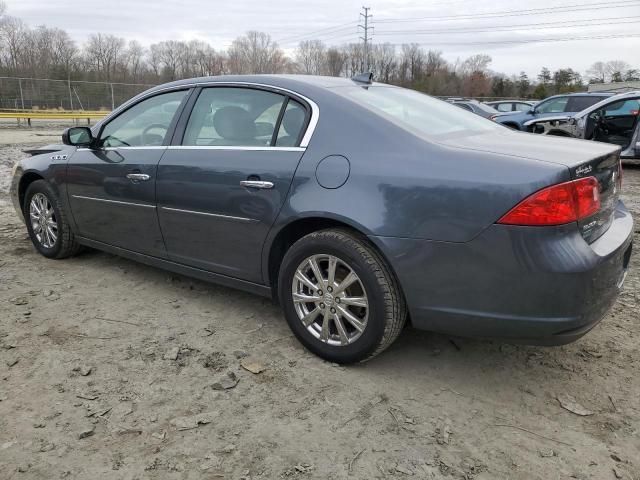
x=298 y=228
x=27 y=179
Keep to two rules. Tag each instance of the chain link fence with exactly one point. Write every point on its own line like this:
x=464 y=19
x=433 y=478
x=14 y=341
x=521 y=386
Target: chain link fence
x=47 y=94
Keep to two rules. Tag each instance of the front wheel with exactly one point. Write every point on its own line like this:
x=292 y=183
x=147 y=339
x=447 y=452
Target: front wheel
x=47 y=222
x=340 y=298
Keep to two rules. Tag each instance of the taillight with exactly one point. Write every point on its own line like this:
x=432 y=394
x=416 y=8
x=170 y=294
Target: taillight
x=556 y=205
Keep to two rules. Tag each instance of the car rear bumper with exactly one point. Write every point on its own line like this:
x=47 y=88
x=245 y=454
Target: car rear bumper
x=526 y=284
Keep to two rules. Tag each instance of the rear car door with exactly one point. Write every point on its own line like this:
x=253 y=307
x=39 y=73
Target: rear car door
x=618 y=122
x=223 y=181
x=111 y=186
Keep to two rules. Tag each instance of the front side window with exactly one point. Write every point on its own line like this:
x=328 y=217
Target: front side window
x=555 y=105
x=503 y=107
x=145 y=124
x=234 y=116
x=523 y=107
x=623 y=108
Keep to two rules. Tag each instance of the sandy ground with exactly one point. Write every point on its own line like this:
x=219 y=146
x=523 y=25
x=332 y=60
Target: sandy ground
x=111 y=369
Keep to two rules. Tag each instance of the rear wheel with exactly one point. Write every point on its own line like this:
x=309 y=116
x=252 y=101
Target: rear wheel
x=47 y=222
x=339 y=296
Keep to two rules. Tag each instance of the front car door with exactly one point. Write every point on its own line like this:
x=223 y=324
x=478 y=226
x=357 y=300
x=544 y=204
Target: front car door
x=224 y=179
x=111 y=186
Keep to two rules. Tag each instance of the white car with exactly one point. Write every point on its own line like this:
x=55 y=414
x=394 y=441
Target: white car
x=613 y=120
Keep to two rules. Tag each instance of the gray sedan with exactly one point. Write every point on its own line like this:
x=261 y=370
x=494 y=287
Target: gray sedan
x=357 y=206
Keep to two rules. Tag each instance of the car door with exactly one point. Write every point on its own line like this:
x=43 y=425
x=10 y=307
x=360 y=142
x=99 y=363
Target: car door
x=223 y=182
x=111 y=186
x=619 y=121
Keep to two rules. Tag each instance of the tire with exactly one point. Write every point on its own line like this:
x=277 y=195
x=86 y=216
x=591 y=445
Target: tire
x=376 y=326
x=65 y=244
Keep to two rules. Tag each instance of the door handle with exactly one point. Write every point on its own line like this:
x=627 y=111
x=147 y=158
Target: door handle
x=257 y=184
x=138 y=177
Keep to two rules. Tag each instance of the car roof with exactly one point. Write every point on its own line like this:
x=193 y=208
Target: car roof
x=283 y=81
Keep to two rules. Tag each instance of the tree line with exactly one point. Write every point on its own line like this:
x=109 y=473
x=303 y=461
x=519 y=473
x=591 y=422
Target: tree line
x=46 y=52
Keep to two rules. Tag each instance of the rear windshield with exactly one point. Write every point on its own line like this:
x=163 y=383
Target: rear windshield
x=416 y=111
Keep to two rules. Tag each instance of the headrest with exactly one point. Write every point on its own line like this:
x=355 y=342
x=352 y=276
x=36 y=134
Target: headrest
x=234 y=123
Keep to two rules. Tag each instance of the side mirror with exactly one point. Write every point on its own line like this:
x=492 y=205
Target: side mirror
x=77 y=137
x=532 y=111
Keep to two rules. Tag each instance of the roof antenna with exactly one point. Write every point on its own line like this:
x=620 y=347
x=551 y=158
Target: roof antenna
x=366 y=77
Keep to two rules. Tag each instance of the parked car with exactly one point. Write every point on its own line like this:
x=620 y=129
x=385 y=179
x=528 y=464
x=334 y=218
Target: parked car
x=504 y=106
x=476 y=107
x=569 y=104
x=360 y=207
x=614 y=120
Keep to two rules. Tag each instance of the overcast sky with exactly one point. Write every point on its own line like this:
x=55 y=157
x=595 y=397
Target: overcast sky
x=439 y=24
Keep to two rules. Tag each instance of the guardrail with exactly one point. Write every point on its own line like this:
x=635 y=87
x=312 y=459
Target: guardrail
x=29 y=115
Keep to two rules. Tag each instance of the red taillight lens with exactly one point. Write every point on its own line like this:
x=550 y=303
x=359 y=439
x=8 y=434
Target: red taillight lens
x=556 y=205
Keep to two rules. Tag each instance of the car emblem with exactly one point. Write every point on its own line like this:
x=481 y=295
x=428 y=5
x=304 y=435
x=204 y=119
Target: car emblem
x=583 y=170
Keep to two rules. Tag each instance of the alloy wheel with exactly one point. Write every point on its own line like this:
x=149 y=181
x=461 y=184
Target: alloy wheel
x=43 y=220
x=330 y=300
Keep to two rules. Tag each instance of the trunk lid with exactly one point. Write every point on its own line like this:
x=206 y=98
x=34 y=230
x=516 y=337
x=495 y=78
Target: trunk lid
x=583 y=159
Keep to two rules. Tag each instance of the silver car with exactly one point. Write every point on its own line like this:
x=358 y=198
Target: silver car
x=613 y=120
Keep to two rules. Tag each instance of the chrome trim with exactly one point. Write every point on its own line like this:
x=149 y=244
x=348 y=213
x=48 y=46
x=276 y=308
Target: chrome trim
x=313 y=121
x=138 y=177
x=82 y=197
x=216 y=215
x=111 y=149
x=233 y=147
x=257 y=184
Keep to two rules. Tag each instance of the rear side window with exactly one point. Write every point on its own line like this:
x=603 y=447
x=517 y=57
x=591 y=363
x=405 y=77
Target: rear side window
x=577 y=104
x=555 y=105
x=293 y=122
x=233 y=116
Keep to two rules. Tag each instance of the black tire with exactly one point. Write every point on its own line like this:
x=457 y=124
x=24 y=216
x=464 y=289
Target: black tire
x=65 y=244
x=387 y=311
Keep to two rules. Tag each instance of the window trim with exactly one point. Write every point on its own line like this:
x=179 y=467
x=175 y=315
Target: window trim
x=311 y=117
x=313 y=111
x=129 y=105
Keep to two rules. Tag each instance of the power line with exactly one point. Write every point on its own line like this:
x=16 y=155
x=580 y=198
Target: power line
x=366 y=27
x=525 y=41
x=529 y=26
x=511 y=13
x=326 y=30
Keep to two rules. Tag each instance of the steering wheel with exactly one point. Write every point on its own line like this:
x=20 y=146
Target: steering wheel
x=153 y=139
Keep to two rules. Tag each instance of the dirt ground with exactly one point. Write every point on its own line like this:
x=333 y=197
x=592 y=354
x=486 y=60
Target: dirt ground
x=111 y=369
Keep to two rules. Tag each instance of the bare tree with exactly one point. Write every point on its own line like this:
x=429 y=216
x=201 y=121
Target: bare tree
x=311 y=57
x=598 y=72
x=255 y=52
x=135 y=60
x=616 y=70
x=476 y=63
x=102 y=53
x=335 y=62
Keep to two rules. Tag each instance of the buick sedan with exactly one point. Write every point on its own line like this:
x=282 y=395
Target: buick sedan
x=357 y=206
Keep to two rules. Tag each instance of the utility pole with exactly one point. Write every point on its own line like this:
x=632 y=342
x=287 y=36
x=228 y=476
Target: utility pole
x=366 y=27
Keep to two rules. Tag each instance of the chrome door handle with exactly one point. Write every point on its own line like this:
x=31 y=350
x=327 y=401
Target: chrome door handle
x=138 y=177
x=257 y=184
